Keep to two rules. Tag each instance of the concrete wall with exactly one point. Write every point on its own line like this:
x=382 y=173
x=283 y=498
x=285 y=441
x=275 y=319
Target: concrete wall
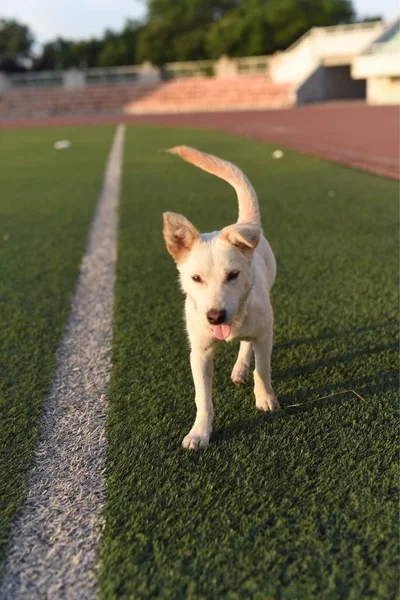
x=295 y=64
x=348 y=40
x=376 y=65
x=299 y=61
x=383 y=90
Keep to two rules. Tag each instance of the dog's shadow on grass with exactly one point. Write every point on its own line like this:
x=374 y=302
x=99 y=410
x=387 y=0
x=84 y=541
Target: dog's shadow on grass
x=259 y=420
x=337 y=334
x=333 y=361
x=318 y=398
x=294 y=405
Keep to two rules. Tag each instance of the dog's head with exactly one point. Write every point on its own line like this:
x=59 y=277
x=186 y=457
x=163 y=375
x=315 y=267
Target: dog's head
x=215 y=269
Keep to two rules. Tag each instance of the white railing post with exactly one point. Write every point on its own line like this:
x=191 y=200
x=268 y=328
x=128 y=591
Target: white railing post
x=226 y=67
x=74 y=78
x=148 y=73
x=4 y=84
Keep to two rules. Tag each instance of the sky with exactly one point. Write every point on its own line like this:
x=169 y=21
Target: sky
x=80 y=19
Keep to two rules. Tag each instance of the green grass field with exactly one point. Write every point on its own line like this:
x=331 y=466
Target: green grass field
x=46 y=206
x=295 y=505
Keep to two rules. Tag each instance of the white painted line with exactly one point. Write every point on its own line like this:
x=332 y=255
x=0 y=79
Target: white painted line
x=53 y=554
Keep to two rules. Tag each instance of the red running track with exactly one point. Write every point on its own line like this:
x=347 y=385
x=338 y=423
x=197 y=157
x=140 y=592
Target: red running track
x=358 y=135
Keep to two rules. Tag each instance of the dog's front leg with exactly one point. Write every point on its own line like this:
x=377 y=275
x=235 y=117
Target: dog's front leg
x=201 y=361
x=265 y=397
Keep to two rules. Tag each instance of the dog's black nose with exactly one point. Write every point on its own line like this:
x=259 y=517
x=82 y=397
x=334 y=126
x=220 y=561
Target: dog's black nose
x=216 y=317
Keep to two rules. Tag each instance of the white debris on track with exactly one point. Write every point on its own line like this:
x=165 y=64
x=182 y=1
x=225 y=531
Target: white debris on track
x=53 y=554
x=62 y=144
x=277 y=154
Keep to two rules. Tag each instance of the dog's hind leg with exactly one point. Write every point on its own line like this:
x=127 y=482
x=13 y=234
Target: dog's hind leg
x=265 y=397
x=240 y=372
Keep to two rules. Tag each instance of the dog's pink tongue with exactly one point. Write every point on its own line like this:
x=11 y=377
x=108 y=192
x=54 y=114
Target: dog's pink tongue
x=222 y=332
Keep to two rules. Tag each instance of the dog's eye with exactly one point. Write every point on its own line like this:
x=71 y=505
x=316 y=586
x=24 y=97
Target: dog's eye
x=232 y=275
x=197 y=278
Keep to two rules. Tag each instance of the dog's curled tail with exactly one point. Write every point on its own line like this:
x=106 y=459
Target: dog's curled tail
x=248 y=203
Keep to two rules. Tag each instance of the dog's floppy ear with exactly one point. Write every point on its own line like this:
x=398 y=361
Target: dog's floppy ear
x=244 y=236
x=179 y=235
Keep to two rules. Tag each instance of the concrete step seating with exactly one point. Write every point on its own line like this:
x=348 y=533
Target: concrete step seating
x=180 y=95
x=205 y=94
x=59 y=101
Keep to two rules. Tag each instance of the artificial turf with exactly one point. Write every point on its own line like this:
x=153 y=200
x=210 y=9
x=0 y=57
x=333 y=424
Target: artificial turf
x=47 y=199
x=293 y=505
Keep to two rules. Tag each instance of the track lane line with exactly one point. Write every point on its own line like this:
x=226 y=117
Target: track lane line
x=53 y=554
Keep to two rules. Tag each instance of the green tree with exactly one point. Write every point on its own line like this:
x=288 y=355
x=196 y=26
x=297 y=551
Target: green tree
x=112 y=49
x=120 y=48
x=114 y=53
x=16 y=39
x=243 y=32
x=264 y=26
x=177 y=30
x=129 y=35
x=57 y=54
x=16 y=42
x=86 y=53
x=292 y=18
x=154 y=43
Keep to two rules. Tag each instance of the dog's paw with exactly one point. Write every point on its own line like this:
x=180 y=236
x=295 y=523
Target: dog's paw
x=240 y=374
x=195 y=442
x=267 y=403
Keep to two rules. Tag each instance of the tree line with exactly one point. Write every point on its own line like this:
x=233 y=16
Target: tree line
x=178 y=30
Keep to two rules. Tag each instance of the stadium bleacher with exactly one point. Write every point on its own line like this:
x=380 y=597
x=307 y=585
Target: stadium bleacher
x=204 y=93
x=47 y=101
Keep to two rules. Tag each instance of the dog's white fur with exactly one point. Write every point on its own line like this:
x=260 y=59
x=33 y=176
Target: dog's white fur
x=211 y=257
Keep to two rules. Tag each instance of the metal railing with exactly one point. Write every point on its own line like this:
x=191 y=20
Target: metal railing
x=195 y=68
x=253 y=65
x=37 y=79
x=207 y=68
x=99 y=75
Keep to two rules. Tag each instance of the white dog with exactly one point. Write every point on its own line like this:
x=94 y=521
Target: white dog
x=226 y=276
